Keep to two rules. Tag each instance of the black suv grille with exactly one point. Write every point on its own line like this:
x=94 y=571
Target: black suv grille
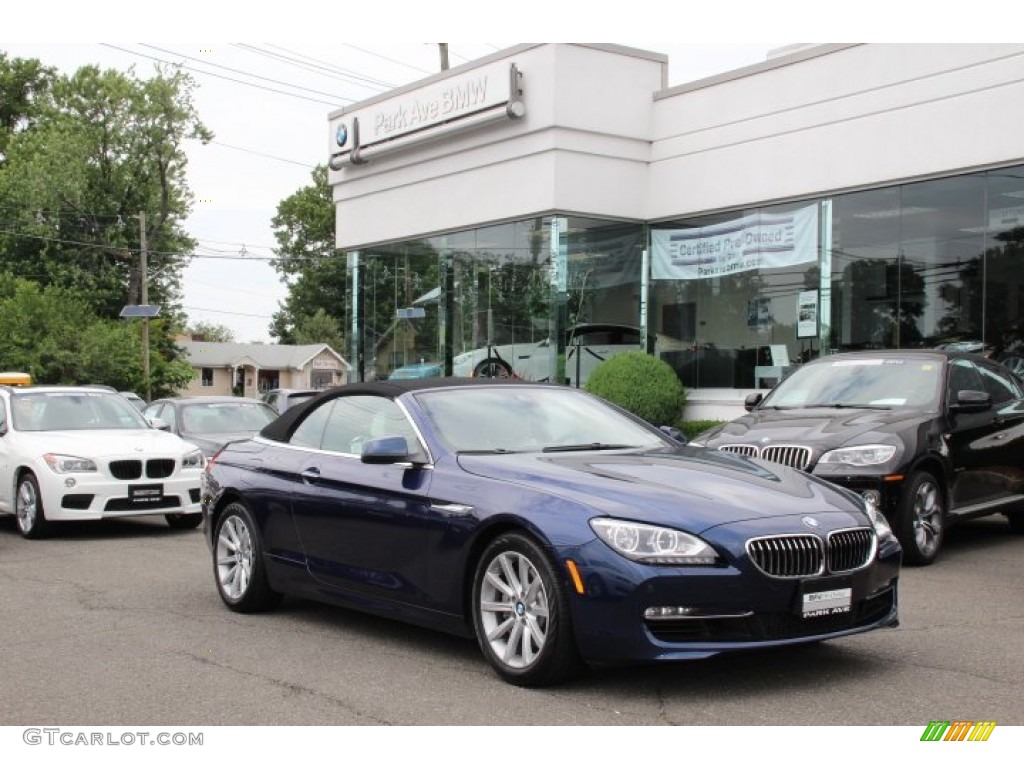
x=131 y=469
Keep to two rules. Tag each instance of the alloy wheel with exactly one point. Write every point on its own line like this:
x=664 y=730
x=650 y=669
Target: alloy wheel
x=234 y=557
x=927 y=518
x=514 y=609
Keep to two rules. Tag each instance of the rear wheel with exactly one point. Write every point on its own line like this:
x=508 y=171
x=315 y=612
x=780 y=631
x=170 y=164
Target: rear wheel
x=28 y=508
x=238 y=563
x=521 y=614
x=492 y=368
x=921 y=519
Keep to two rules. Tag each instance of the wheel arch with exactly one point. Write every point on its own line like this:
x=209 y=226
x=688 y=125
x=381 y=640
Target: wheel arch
x=483 y=540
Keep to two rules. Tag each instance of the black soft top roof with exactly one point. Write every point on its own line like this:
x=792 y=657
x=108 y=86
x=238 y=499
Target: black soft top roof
x=281 y=428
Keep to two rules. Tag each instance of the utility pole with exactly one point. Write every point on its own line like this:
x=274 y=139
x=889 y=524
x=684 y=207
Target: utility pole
x=144 y=281
x=443 y=48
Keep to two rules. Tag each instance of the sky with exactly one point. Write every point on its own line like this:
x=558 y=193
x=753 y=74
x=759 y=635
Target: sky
x=267 y=103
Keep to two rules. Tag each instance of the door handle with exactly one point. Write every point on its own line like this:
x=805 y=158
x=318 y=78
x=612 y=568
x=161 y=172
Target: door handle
x=310 y=475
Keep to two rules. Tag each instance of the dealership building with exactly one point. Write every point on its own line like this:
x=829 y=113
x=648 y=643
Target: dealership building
x=551 y=204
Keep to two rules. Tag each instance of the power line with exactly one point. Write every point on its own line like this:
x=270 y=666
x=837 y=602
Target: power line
x=261 y=154
x=317 y=66
x=388 y=58
x=222 y=77
x=247 y=74
x=225 y=311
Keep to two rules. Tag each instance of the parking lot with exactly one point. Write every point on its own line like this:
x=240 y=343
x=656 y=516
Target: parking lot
x=119 y=623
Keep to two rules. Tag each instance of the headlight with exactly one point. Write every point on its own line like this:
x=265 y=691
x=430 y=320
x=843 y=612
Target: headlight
x=65 y=464
x=878 y=520
x=859 y=455
x=193 y=460
x=652 y=544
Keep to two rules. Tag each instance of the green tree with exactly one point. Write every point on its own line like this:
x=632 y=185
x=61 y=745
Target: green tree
x=307 y=258
x=211 y=331
x=22 y=83
x=83 y=155
x=320 y=328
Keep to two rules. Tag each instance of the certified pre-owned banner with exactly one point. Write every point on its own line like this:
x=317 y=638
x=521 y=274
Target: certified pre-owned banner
x=759 y=241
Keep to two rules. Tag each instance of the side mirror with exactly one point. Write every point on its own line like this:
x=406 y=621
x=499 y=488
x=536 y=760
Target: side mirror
x=390 y=449
x=158 y=423
x=971 y=401
x=750 y=401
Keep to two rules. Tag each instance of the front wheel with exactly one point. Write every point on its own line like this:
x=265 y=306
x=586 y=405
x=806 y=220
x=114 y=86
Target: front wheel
x=238 y=563
x=521 y=614
x=921 y=519
x=28 y=508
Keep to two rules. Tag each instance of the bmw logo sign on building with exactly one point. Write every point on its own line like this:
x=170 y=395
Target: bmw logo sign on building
x=342 y=135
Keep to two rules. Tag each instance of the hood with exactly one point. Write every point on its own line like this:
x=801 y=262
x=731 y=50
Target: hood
x=687 y=487
x=822 y=428
x=103 y=443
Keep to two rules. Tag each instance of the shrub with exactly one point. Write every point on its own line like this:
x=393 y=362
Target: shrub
x=693 y=428
x=642 y=384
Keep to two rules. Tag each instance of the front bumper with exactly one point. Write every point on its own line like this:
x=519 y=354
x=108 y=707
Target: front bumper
x=731 y=607
x=95 y=496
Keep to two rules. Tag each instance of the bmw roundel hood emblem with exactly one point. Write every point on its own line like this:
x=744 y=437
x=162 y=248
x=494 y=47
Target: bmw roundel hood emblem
x=341 y=136
x=810 y=522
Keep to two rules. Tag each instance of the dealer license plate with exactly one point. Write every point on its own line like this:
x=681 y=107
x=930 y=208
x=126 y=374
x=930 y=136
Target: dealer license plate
x=145 y=494
x=829 y=602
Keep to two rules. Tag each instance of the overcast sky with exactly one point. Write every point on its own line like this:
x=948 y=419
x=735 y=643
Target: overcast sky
x=267 y=103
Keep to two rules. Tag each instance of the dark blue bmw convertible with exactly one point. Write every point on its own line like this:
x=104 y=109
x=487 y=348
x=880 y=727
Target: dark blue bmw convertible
x=557 y=529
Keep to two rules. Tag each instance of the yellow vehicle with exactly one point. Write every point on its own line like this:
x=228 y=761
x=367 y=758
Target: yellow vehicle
x=15 y=378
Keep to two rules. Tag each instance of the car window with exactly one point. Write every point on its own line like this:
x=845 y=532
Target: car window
x=359 y=418
x=44 y=411
x=999 y=383
x=884 y=382
x=310 y=432
x=963 y=375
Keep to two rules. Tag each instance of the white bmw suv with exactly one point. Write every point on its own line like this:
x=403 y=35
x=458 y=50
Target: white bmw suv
x=80 y=453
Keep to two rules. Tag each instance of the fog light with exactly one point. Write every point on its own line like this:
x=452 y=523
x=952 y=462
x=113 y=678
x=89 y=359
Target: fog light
x=874 y=497
x=667 y=612
x=69 y=482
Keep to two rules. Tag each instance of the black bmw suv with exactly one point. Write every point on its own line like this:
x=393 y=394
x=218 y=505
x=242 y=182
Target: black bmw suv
x=931 y=437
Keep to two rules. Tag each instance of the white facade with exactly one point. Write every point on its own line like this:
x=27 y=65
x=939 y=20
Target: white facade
x=601 y=136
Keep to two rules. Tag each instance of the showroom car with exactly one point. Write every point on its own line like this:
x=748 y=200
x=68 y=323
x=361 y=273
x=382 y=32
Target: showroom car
x=586 y=346
x=555 y=528
x=931 y=437
x=210 y=421
x=83 y=453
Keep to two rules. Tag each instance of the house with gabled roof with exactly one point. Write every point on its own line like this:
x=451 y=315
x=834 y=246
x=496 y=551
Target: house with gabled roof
x=227 y=367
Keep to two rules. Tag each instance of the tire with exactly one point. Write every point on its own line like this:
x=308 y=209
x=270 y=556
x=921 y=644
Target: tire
x=28 y=508
x=492 y=368
x=238 y=565
x=524 y=629
x=1016 y=520
x=921 y=519
x=181 y=522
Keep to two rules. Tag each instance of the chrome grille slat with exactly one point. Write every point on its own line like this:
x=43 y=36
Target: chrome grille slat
x=788 y=557
x=798 y=456
x=850 y=549
x=799 y=555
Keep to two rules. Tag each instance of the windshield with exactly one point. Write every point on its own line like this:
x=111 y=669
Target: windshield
x=879 y=382
x=46 y=411
x=223 y=418
x=516 y=419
